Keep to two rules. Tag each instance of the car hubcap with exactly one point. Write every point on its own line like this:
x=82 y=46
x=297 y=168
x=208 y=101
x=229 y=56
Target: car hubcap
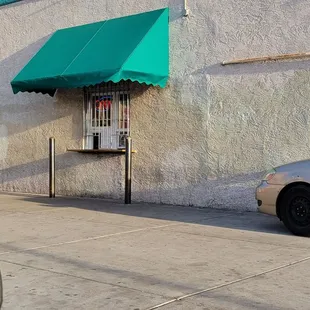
x=300 y=211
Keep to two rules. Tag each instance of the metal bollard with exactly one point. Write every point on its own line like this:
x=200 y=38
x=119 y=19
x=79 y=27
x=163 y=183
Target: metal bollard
x=128 y=170
x=52 y=167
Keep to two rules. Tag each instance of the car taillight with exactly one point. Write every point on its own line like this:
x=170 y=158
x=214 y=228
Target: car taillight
x=269 y=175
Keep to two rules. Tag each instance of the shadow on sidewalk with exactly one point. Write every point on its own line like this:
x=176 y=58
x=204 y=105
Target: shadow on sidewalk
x=249 y=221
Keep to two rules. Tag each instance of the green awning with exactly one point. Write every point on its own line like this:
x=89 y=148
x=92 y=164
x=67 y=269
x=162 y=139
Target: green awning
x=5 y=2
x=132 y=48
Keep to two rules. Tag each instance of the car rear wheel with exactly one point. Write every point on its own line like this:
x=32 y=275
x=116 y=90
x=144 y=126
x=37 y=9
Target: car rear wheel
x=295 y=210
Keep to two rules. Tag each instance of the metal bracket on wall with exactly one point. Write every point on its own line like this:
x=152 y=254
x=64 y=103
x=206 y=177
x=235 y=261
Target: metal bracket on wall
x=185 y=9
x=267 y=58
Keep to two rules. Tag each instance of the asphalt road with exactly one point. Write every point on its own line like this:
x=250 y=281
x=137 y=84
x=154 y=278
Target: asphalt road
x=71 y=253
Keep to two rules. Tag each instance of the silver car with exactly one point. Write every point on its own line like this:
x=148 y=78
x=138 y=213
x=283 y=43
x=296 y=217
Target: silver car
x=285 y=192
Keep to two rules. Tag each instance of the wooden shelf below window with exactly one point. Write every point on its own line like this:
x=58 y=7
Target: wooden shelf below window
x=100 y=151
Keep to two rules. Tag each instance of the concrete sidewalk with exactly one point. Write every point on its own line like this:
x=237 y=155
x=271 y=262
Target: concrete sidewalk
x=71 y=253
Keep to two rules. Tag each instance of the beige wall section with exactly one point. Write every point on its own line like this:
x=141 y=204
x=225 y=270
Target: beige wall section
x=203 y=140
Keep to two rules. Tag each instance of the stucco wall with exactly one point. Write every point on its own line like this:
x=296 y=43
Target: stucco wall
x=204 y=140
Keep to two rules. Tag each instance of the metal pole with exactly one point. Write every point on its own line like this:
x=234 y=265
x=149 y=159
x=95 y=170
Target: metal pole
x=52 y=167
x=185 y=8
x=128 y=170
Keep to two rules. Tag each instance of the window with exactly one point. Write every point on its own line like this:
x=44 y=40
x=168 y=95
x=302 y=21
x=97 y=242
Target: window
x=106 y=116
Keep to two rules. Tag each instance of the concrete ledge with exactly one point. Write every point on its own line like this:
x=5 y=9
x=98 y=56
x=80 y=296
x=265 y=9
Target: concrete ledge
x=100 y=151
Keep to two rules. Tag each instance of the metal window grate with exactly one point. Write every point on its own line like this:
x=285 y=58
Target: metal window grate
x=106 y=115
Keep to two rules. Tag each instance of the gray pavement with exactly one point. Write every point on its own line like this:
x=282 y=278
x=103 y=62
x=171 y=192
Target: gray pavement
x=69 y=253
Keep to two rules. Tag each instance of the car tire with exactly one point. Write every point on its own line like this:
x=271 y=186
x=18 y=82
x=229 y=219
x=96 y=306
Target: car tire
x=295 y=210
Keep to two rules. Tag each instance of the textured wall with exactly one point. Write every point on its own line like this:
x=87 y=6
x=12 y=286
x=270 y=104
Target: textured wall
x=201 y=141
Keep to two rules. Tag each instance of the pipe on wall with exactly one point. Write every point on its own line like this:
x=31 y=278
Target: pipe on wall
x=185 y=9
